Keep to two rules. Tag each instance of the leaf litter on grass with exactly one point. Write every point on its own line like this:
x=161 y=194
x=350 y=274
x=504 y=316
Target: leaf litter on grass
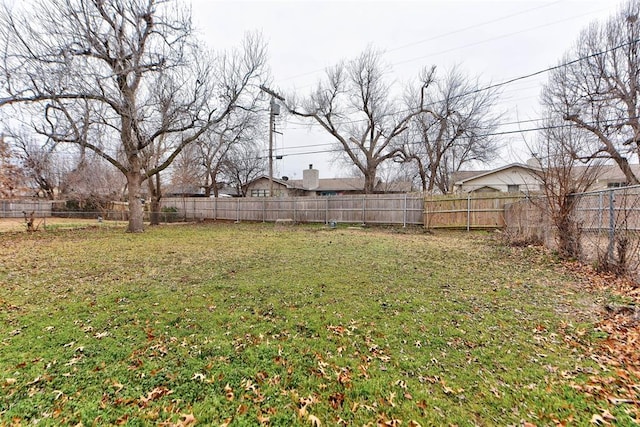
x=242 y=324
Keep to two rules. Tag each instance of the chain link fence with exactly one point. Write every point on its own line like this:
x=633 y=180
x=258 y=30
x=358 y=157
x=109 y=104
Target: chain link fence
x=607 y=224
x=610 y=227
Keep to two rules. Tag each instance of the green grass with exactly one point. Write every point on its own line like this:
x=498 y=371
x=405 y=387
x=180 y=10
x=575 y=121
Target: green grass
x=247 y=322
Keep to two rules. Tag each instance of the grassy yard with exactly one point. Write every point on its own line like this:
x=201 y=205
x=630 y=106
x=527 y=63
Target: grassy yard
x=247 y=324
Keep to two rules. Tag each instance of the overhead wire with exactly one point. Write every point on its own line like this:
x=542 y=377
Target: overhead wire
x=512 y=80
x=490 y=134
x=439 y=36
x=502 y=36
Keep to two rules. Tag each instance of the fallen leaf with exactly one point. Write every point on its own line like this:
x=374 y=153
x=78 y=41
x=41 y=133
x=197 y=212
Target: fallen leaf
x=198 y=376
x=315 y=422
x=607 y=415
x=117 y=386
x=228 y=392
x=336 y=400
x=155 y=394
x=187 y=420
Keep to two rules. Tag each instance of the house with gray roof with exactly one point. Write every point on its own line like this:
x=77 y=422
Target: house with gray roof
x=312 y=185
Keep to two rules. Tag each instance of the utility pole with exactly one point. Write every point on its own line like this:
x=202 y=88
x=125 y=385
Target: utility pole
x=274 y=110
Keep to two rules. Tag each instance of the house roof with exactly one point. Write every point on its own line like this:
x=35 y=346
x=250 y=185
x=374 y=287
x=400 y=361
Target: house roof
x=466 y=176
x=606 y=173
x=613 y=173
x=343 y=184
x=186 y=189
x=334 y=184
x=292 y=183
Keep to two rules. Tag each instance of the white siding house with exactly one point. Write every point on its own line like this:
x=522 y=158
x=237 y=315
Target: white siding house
x=513 y=178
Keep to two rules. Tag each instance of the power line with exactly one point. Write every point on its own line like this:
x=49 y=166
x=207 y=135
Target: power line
x=459 y=47
x=503 y=36
x=501 y=133
x=471 y=27
x=512 y=80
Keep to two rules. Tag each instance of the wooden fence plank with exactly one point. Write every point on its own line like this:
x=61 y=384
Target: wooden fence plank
x=403 y=209
x=467 y=211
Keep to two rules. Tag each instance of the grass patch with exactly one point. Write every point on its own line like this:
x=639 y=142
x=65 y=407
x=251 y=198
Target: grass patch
x=252 y=324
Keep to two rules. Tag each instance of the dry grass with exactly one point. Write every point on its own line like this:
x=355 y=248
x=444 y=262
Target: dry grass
x=250 y=324
x=8 y=225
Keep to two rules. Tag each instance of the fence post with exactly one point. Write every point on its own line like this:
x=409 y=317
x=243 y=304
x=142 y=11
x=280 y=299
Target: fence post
x=600 y=209
x=612 y=224
x=468 y=211
x=326 y=211
x=238 y=210
x=404 y=217
x=293 y=199
x=264 y=209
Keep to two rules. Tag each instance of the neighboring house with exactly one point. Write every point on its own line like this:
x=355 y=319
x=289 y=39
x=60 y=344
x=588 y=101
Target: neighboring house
x=512 y=178
x=312 y=185
x=261 y=187
x=610 y=176
x=524 y=178
x=183 y=191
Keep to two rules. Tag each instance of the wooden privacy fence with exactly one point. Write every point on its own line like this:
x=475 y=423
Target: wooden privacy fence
x=404 y=209
x=452 y=211
x=15 y=208
x=469 y=211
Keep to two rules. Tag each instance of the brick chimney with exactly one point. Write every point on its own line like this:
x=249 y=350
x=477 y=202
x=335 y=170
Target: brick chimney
x=310 y=178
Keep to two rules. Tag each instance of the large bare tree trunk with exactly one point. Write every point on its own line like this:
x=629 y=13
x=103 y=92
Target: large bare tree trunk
x=370 y=181
x=136 y=214
x=154 y=199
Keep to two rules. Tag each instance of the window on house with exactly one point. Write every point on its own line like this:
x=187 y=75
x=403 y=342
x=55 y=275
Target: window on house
x=259 y=193
x=616 y=184
x=513 y=188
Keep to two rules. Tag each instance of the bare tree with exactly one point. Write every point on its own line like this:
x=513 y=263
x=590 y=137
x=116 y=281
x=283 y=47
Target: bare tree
x=562 y=175
x=243 y=164
x=186 y=170
x=92 y=182
x=116 y=76
x=240 y=128
x=454 y=132
x=73 y=174
x=355 y=105
x=11 y=173
x=39 y=164
x=599 y=88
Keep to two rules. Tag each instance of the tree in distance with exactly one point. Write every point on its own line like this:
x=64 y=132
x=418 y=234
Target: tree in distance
x=597 y=89
x=120 y=78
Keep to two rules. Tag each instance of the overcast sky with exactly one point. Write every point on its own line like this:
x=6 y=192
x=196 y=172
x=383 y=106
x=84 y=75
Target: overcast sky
x=495 y=40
